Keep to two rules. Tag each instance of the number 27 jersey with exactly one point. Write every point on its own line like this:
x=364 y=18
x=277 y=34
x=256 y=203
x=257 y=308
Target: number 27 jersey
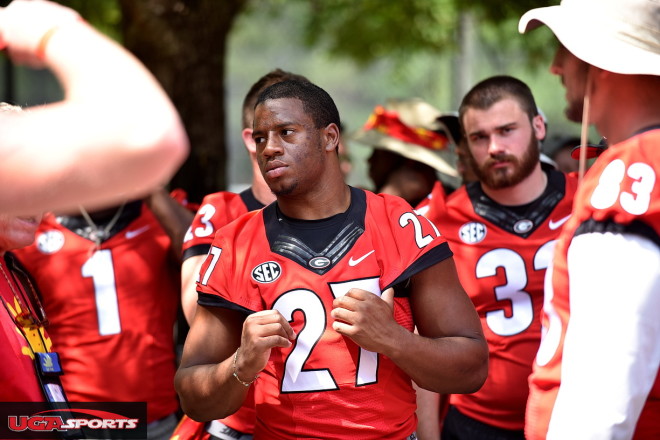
x=325 y=385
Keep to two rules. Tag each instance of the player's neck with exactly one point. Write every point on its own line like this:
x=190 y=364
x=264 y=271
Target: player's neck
x=524 y=192
x=637 y=106
x=316 y=205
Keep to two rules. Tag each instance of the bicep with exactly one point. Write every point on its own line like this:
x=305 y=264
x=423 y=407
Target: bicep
x=214 y=335
x=440 y=305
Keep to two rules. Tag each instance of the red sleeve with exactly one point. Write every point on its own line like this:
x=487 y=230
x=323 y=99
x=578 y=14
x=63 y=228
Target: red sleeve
x=216 y=211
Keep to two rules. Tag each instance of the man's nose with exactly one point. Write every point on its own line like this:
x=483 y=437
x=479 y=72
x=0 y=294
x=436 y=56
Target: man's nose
x=495 y=146
x=273 y=147
x=556 y=67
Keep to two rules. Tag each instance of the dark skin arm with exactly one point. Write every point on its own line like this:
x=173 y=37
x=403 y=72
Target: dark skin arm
x=205 y=382
x=173 y=217
x=449 y=355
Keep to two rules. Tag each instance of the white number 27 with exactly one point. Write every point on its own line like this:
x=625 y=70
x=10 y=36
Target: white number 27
x=296 y=378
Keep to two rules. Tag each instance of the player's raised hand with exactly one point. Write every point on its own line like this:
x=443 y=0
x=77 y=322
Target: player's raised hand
x=366 y=318
x=262 y=331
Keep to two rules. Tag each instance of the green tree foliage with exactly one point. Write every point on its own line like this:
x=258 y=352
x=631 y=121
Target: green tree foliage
x=184 y=43
x=369 y=30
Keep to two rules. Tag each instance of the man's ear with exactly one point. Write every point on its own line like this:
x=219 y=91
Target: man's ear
x=331 y=133
x=539 y=127
x=250 y=146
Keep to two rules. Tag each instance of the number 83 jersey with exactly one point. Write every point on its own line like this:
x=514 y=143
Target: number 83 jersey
x=325 y=385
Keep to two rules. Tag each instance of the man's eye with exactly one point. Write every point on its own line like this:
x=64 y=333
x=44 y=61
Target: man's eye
x=286 y=132
x=259 y=139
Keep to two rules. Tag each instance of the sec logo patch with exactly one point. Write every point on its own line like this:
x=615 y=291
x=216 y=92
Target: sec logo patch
x=266 y=272
x=472 y=232
x=50 y=242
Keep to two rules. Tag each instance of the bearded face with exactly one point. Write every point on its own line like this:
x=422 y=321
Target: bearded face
x=573 y=73
x=493 y=174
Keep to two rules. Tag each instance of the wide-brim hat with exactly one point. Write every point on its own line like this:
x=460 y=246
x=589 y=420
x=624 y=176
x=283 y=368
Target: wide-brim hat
x=413 y=129
x=620 y=36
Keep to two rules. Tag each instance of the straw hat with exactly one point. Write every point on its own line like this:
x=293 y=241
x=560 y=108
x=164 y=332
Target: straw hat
x=413 y=129
x=620 y=36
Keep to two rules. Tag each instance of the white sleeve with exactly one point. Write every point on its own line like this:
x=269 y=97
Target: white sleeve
x=612 y=346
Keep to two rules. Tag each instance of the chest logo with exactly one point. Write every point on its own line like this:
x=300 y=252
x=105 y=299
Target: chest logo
x=135 y=232
x=50 y=242
x=472 y=232
x=266 y=272
x=352 y=262
x=555 y=224
x=319 y=262
x=523 y=226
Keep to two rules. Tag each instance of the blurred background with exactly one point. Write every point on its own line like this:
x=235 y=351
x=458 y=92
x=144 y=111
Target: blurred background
x=207 y=53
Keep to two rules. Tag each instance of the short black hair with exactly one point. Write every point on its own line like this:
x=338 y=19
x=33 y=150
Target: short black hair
x=316 y=101
x=272 y=77
x=494 y=89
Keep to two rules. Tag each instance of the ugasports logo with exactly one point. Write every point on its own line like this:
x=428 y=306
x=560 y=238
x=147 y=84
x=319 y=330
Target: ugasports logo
x=89 y=420
x=49 y=423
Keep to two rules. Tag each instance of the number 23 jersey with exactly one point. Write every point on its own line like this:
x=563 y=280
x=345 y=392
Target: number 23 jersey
x=325 y=385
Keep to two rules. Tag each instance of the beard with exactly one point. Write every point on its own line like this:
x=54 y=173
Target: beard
x=284 y=190
x=500 y=178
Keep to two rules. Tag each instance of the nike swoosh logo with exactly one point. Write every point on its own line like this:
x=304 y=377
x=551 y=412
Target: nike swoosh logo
x=134 y=233
x=352 y=262
x=555 y=224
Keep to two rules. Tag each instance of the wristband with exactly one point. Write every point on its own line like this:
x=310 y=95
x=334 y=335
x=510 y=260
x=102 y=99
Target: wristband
x=245 y=384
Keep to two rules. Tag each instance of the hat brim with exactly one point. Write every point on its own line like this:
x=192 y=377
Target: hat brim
x=441 y=161
x=594 y=41
x=592 y=151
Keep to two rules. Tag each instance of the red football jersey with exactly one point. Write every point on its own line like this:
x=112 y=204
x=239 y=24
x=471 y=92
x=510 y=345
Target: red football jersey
x=325 y=385
x=20 y=382
x=620 y=193
x=111 y=311
x=501 y=256
x=216 y=211
x=436 y=197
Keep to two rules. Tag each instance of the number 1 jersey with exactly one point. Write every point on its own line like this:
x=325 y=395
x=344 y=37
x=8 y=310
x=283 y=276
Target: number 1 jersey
x=111 y=311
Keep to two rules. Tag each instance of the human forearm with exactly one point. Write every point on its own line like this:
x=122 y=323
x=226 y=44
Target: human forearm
x=455 y=364
x=121 y=106
x=450 y=354
x=209 y=392
x=115 y=136
x=173 y=217
x=428 y=414
x=450 y=359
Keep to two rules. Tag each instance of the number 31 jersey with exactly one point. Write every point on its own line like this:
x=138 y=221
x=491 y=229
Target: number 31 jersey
x=501 y=255
x=325 y=385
